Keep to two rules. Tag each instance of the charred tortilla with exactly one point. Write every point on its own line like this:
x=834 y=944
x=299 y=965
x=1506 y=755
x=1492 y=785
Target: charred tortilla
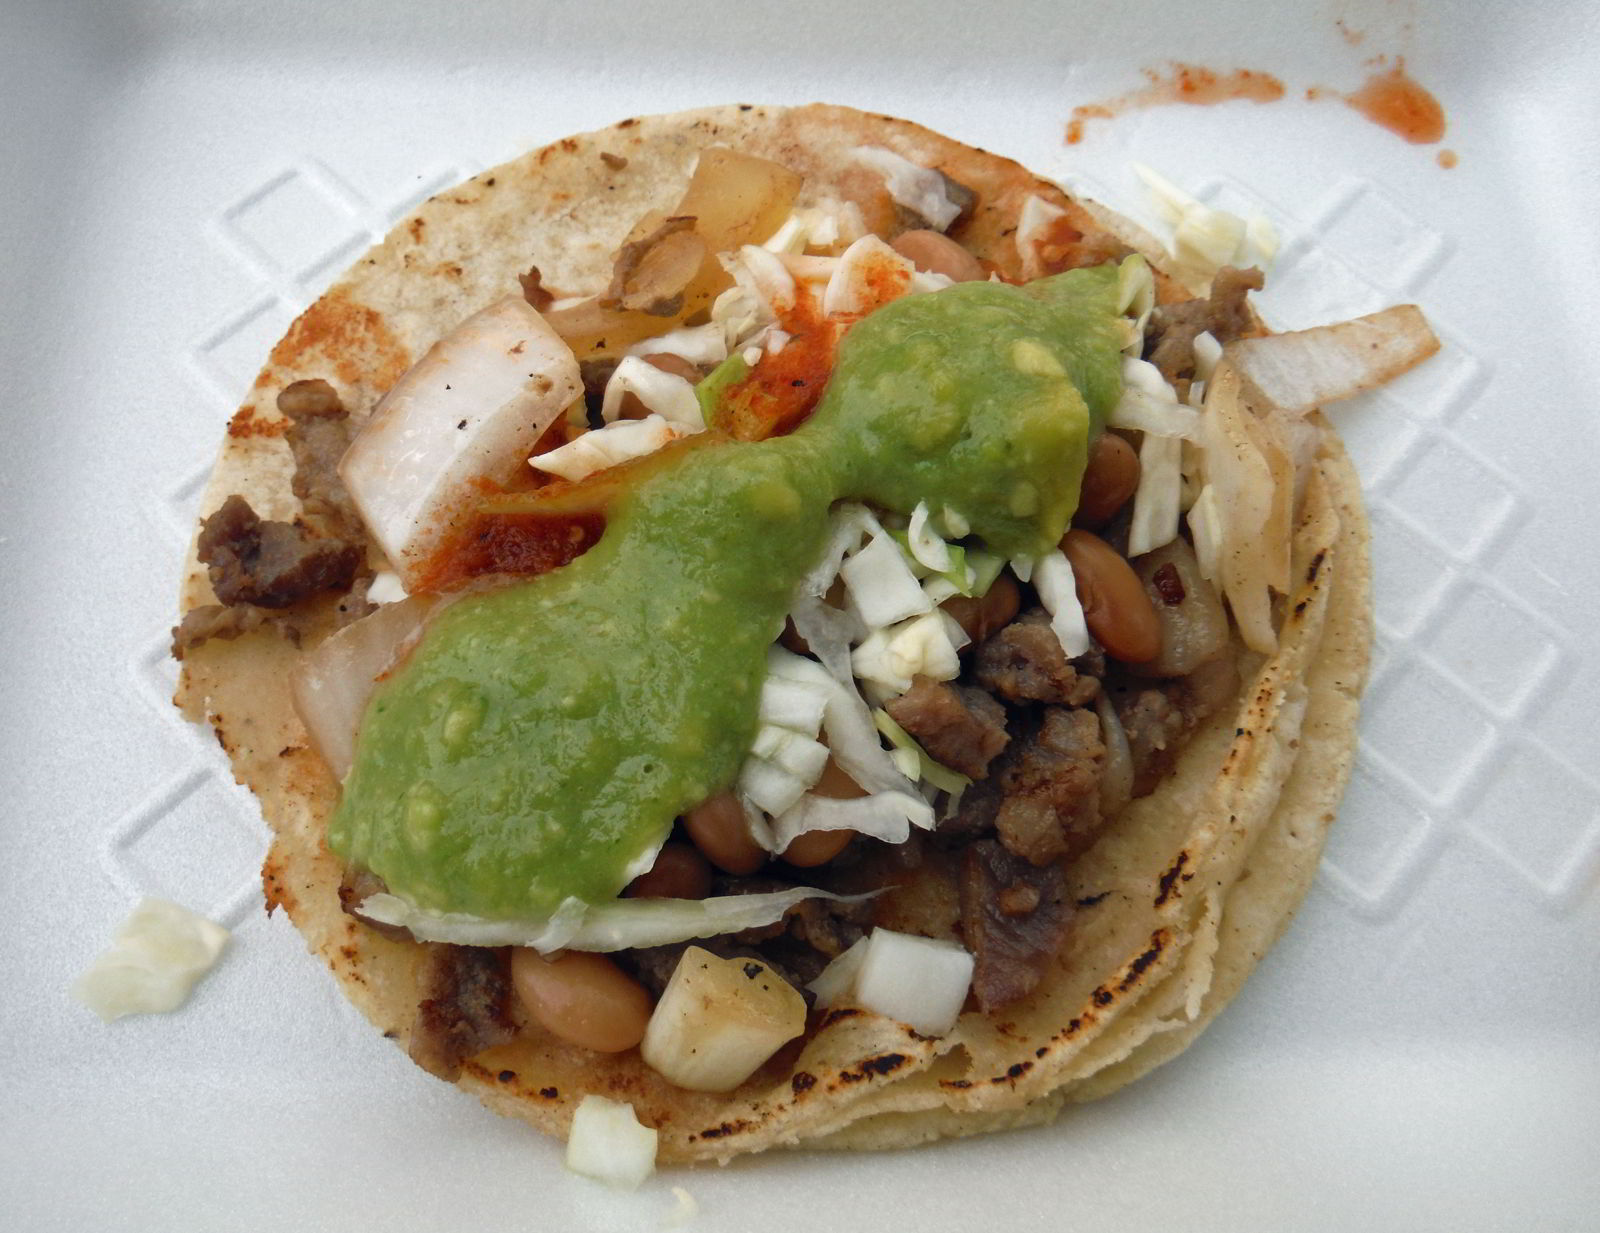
x=1177 y=902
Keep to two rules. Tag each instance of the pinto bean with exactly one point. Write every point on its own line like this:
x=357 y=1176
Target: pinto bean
x=718 y=827
x=819 y=847
x=585 y=999
x=982 y=615
x=938 y=254
x=1109 y=481
x=680 y=872
x=1116 y=607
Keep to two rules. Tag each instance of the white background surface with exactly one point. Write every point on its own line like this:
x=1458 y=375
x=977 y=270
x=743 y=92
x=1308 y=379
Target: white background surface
x=1421 y=1050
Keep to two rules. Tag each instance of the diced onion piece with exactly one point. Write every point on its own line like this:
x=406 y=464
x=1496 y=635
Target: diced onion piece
x=699 y=344
x=1033 y=225
x=869 y=275
x=917 y=188
x=664 y=393
x=607 y=1143
x=1156 y=500
x=1302 y=370
x=881 y=587
x=385 y=588
x=795 y=705
x=1058 y=592
x=600 y=448
x=470 y=410
x=333 y=682
x=617 y=924
x=718 y=1020
x=1205 y=239
x=921 y=982
x=918 y=647
x=837 y=981
x=159 y=954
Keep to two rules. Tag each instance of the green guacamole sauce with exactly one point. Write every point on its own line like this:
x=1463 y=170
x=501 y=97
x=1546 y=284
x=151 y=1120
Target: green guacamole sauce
x=543 y=737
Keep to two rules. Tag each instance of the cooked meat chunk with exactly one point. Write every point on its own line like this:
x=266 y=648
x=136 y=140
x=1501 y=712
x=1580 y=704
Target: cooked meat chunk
x=652 y=966
x=1225 y=314
x=271 y=564
x=534 y=290
x=961 y=727
x=1042 y=797
x=1154 y=724
x=1014 y=918
x=318 y=434
x=1024 y=662
x=466 y=1007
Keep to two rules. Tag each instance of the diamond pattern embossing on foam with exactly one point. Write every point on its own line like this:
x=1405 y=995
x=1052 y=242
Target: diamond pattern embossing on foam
x=293 y=223
x=1419 y=730
x=1463 y=501
x=1383 y=843
x=197 y=841
x=1371 y=231
x=1542 y=819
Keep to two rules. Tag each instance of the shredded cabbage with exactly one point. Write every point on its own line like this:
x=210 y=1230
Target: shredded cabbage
x=600 y=448
x=618 y=924
x=1058 y=592
x=927 y=768
x=662 y=393
x=881 y=587
x=1156 y=501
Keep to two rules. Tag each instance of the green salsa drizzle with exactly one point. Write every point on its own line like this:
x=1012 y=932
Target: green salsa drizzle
x=544 y=736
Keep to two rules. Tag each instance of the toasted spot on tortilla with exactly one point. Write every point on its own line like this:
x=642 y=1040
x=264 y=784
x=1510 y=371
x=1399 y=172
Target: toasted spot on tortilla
x=340 y=333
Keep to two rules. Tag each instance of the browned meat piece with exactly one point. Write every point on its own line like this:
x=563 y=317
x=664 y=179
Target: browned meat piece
x=652 y=966
x=1225 y=314
x=271 y=564
x=221 y=621
x=466 y=1007
x=828 y=926
x=1014 y=918
x=1155 y=725
x=1024 y=662
x=319 y=434
x=534 y=290
x=961 y=727
x=1042 y=797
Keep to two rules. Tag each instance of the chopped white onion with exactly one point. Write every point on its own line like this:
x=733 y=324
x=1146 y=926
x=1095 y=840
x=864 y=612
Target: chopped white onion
x=617 y=924
x=1156 y=500
x=159 y=954
x=468 y=411
x=837 y=981
x=1033 y=223
x=919 y=189
x=880 y=585
x=607 y=1143
x=1207 y=351
x=600 y=448
x=921 y=646
x=663 y=393
x=921 y=982
x=1058 y=592
x=869 y=274
x=385 y=588
x=795 y=705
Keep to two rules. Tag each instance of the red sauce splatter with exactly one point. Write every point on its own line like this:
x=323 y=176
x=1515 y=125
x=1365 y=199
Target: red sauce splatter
x=1191 y=84
x=784 y=388
x=1391 y=99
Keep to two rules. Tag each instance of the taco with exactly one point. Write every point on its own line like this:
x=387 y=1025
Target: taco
x=928 y=603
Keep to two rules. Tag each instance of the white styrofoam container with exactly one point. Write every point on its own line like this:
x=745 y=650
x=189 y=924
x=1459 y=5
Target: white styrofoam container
x=1419 y=1052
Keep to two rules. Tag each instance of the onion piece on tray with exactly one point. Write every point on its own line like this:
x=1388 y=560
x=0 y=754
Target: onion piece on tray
x=470 y=410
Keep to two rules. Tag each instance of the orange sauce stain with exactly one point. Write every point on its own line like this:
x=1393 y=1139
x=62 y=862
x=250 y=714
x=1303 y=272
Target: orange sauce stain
x=1190 y=84
x=1447 y=159
x=1391 y=99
